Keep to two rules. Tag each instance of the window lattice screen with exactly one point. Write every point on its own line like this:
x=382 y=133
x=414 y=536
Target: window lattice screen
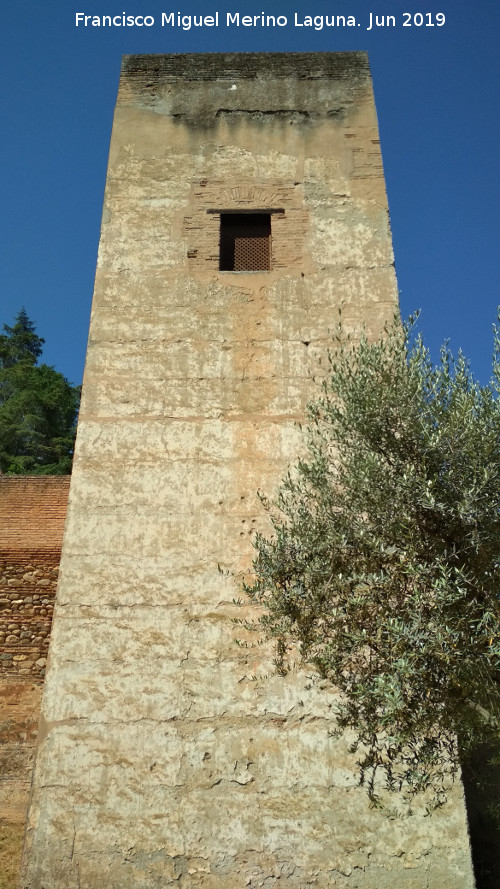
x=245 y=242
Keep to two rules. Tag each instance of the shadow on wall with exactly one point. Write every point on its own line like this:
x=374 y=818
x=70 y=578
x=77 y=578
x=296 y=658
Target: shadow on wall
x=481 y=779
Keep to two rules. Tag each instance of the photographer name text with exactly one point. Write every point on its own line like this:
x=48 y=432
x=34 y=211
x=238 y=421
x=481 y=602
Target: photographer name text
x=185 y=22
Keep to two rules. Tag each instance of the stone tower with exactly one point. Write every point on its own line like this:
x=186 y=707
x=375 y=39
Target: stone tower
x=245 y=203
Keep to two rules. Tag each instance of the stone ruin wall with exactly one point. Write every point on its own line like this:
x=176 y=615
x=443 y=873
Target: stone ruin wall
x=27 y=595
x=32 y=515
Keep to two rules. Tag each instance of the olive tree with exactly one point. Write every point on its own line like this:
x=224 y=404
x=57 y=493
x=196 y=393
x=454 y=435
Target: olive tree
x=383 y=565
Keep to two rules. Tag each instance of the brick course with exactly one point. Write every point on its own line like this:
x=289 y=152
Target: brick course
x=32 y=513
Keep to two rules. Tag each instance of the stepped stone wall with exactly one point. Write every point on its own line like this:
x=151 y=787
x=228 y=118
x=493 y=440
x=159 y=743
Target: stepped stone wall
x=168 y=755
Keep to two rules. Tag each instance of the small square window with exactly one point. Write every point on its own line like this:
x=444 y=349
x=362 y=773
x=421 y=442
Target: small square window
x=245 y=242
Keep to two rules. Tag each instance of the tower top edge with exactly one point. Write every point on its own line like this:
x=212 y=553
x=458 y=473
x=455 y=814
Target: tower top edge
x=247 y=66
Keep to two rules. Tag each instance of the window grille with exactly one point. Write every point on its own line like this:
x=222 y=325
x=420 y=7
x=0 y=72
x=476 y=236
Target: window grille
x=245 y=242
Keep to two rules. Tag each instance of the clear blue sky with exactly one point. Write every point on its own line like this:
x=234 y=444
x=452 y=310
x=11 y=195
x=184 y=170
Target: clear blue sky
x=437 y=91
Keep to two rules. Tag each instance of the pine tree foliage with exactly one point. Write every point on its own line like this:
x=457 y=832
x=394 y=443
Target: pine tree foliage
x=20 y=342
x=38 y=406
x=383 y=566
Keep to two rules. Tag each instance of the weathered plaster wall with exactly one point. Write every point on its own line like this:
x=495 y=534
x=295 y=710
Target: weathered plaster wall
x=168 y=755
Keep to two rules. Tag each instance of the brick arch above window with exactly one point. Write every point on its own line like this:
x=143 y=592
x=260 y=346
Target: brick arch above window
x=275 y=238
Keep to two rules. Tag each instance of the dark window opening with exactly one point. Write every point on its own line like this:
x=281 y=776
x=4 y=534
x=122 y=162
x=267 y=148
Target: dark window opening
x=245 y=242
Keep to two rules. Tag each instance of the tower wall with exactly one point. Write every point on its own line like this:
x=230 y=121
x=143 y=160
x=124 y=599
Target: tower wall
x=169 y=755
